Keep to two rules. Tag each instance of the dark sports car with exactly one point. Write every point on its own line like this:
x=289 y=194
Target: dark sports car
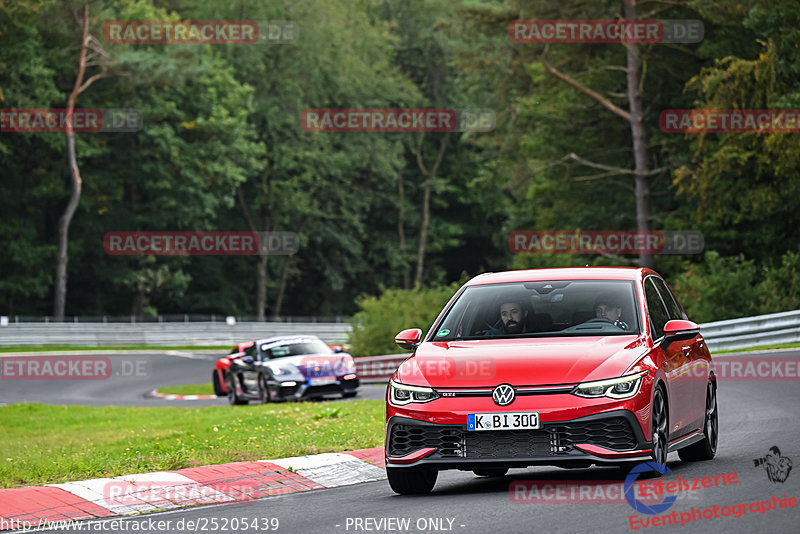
x=285 y=368
x=567 y=367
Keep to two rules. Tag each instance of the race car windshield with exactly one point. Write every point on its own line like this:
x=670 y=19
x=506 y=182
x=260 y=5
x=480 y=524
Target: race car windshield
x=295 y=349
x=542 y=309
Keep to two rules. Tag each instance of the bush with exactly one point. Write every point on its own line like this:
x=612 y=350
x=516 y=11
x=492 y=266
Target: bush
x=729 y=287
x=381 y=318
x=780 y=290
x=719 y=288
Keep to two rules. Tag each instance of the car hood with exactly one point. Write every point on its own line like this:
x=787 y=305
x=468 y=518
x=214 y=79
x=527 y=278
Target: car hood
x=521 y=362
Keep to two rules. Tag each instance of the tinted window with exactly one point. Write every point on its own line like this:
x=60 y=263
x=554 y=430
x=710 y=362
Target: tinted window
x=658 y=314
x=250 y=351
x=541 y=309
x=295 y=349
x=668 y=298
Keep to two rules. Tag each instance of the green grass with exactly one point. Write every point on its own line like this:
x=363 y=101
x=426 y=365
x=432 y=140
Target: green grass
x=188 y=389
x=44 y=444
x=760 y=347
x=45 y=348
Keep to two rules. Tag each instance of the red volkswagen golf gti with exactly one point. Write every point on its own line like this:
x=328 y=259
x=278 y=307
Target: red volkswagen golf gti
x=568 y=367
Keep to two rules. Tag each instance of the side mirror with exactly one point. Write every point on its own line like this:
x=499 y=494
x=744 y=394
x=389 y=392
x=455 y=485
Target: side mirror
x=409 y=339
x=337 y=349
x=679 y=330
x=247 y=359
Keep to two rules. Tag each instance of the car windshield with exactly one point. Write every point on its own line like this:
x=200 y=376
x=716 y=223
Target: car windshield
x=298 y=348
x=542 y=309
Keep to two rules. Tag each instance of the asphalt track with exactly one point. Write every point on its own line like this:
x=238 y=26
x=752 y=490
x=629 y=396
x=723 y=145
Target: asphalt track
x=754 y=416
x=133 y=376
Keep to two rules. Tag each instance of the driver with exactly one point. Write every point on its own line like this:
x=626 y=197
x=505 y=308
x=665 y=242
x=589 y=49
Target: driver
x=607 y=306
x=512 y=317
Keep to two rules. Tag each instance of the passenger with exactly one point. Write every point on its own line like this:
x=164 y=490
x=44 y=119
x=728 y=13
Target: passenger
x=609 y=307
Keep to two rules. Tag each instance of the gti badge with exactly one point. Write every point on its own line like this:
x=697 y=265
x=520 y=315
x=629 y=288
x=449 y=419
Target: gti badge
x=503 y=395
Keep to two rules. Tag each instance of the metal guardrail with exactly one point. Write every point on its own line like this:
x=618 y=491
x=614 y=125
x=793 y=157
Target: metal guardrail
x=197 y=333
x=747 y=332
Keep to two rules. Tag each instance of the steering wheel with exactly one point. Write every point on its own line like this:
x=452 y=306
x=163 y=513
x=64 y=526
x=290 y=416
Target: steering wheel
x=599 y=320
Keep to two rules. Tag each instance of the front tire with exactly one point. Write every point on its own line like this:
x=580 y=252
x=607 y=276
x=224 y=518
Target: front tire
x=411 y=480
x=660 y=425
x=263 y=389
x=706 y=448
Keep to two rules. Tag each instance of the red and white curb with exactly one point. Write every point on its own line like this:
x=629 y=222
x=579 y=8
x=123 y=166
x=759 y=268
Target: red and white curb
x=213 y=484
x=155 y=393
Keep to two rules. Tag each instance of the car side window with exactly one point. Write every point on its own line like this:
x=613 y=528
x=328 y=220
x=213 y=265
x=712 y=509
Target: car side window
x=669 y=299
x=655 y=308
x=251 y=351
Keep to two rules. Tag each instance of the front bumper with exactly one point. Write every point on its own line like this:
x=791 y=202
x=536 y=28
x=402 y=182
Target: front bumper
x=304 y=390
x=605 y=438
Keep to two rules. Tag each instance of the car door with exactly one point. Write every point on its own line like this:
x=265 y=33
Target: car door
x=676 y=360
x=699 y=362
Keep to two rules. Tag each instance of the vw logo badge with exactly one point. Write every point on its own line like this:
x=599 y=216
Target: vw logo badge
x=503 y=395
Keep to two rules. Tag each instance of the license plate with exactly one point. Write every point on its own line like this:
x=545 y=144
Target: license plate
x=324 y=381
x=503 y=421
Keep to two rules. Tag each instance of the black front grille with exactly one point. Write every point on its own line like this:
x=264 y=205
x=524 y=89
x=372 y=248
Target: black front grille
x=328 y=389
x=552 y=440
x=406 y=439
x=507 y=444
x=612 y=433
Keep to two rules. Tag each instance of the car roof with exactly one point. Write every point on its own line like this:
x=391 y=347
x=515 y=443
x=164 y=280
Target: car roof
x=561 y=273
x=287 y=339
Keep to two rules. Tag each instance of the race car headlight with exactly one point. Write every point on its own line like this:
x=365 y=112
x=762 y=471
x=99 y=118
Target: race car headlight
x=616 y=388
x=284 y=370
x=401 y=394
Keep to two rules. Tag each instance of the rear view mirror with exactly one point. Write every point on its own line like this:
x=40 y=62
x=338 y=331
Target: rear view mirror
x=679 y=330
x=409 y=339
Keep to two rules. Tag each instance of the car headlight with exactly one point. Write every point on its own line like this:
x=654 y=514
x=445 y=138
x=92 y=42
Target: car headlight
x=401 y=394
x=349 y=365
x=616 y=388
x=284 y=369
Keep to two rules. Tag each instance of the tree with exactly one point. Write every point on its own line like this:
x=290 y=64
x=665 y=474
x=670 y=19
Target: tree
x=87 y=42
